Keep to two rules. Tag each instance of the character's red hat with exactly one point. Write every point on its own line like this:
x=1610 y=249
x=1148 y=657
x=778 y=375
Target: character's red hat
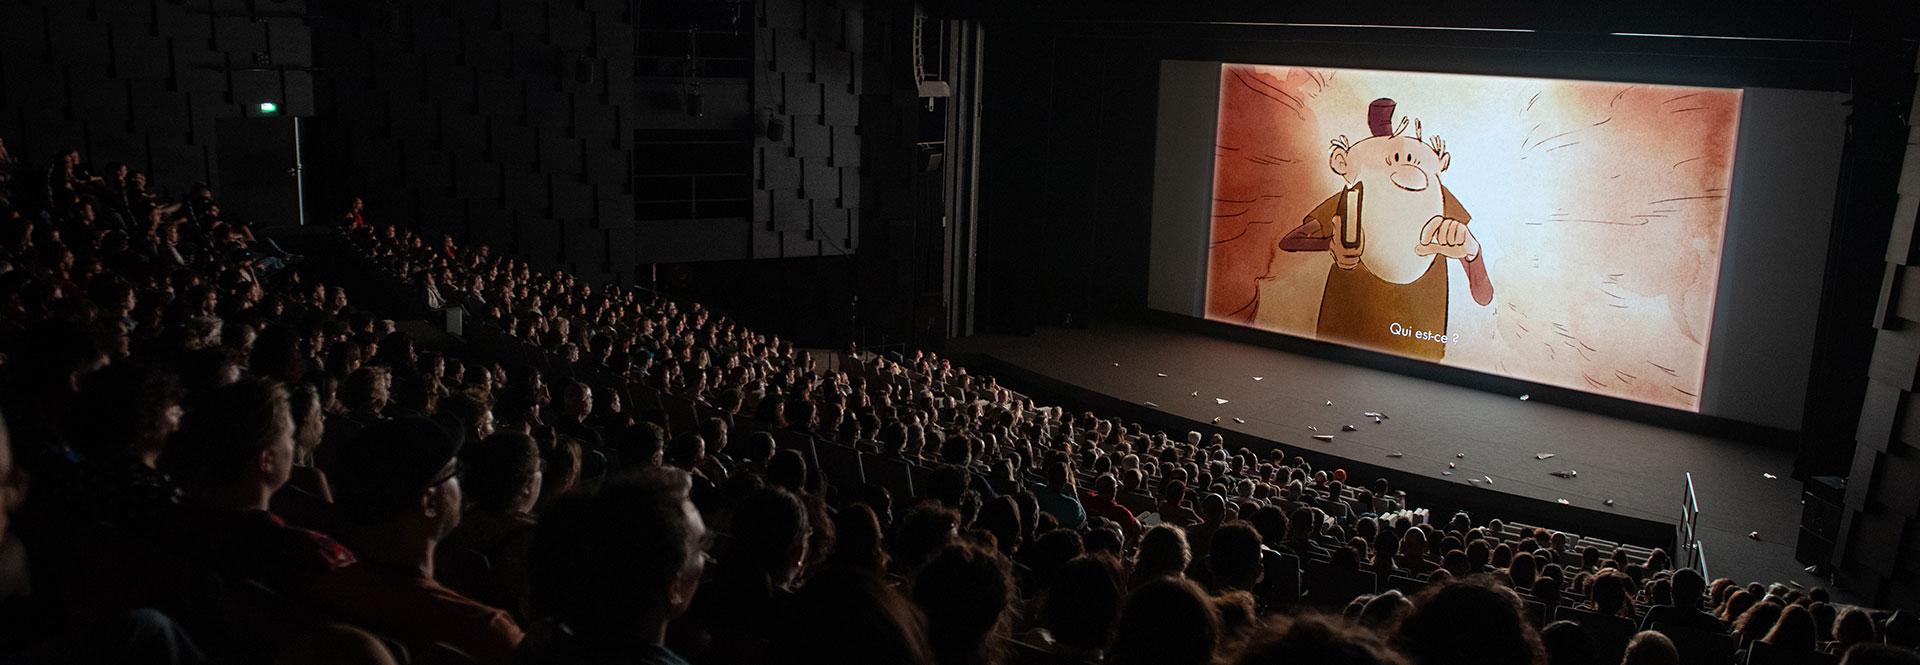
x=1380 y=116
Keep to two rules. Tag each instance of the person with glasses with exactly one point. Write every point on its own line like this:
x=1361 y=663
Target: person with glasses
x=398 y=486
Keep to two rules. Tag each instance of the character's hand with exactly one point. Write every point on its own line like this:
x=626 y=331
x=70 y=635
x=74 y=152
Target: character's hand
x=1346 y=257
x=1447 y=237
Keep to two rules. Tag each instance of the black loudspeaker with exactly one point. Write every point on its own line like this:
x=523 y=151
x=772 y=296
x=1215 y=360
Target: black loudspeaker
x=1822 y=508
x=776 y=129
x=583 y=69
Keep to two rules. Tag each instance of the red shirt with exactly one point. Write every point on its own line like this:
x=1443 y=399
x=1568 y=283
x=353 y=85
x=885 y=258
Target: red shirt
x=416 y=609
x=1100 y=506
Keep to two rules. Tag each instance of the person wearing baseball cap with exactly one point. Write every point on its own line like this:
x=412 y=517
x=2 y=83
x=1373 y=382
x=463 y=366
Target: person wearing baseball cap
x=398 y=486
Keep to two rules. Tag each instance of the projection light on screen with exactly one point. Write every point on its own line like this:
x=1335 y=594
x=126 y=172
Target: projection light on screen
x=1562 y=232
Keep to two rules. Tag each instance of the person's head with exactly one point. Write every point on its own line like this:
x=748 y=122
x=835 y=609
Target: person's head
x=1082 y=605
x=125 y=412
x=366 y=390
x=788 y=469
x=641 y=445
x=1313 y=638
x=1651 y=648
x=1794 y=631
x=1001 y=517
x=965 y=591
x=1738 y=602
x=400 y=479
x=1521 y=570
x=1611 y=592
x=1689 y=588
x=923 y=530
x=1167 y=621
x=502 y=473
x=1163 y=552
x=858 y=541
x=687 y=451
x=236 y=445
x=1568 y=643
x=625 y=557
x=1234 y=556
x=1854 y=626
x=1879 y=654
x=770 y=533
x=1382 y=614
x=1471 y=620
x=1757 y=621
x=579 y=400
x=848 y=616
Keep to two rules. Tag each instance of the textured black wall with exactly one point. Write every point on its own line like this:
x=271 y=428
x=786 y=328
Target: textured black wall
x=507 y=122
x=1878 y=549
x=807 y=185
x=144 y=81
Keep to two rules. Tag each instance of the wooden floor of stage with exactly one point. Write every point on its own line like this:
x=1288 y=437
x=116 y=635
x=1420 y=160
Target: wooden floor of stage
x=1639 y=467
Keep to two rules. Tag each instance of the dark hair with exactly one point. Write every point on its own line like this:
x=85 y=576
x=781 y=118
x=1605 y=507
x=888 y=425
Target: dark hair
x=965 y=591
x=1163 y=551
x=1470 y=621
x=1234 y=556
x=1083 y=604
x=1001 y=517
x=767 y=525
x=922 y=531
x=1879 y=654
x=224 y=434
x=602 y=559
x=1319 y=639
x=1689 y=588
x=1167 y=621
x=848 y=616
x=1757 y=621
x=1794 y=631
x=1650 y=648
x=496 y=468
x=637 y=445
x=121 y=410
x=858 y=541
x=1568 y=643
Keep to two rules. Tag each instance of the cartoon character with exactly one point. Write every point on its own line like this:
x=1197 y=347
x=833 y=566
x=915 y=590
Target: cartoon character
x=1385 y=290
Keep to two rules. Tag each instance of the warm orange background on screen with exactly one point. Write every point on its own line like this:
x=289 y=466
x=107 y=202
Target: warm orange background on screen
x=1600 y=208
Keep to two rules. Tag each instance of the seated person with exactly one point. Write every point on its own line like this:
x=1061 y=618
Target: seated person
x=397 y=484
x=614 y=567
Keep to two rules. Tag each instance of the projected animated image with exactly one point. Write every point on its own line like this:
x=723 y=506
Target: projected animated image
x=1565 y=232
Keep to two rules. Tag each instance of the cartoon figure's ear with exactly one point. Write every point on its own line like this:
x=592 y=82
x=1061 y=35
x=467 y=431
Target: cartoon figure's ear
x=1445 y=158
x=1338 y=160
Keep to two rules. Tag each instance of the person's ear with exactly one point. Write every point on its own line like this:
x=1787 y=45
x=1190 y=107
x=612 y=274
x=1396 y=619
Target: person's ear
x=1445 y=158
x=1338 y=160
x=265 y=462
x=428 y=506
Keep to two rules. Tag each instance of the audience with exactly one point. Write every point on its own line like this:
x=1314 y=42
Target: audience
x=231 y=461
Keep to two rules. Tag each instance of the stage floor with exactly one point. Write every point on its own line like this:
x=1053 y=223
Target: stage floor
x=1639 y=466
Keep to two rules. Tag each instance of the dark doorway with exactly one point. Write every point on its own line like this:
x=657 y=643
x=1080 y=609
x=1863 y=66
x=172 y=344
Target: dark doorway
x=259 y=170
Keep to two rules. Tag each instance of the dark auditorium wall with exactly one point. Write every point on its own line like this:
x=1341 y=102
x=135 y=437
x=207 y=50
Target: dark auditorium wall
x=146 y=81
x=810 y=75
x=1877 y=552
x=835 y=210
x=507 y=122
